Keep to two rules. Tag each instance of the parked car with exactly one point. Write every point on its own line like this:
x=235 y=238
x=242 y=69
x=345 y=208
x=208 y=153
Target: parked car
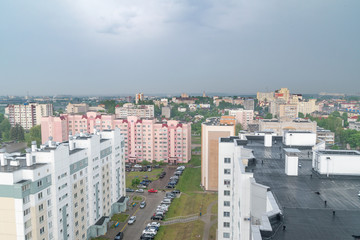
x=175 y=191
x=170 y=186
x=143 y=204
x=150 y=231
x=152 y=190
x=157 y=217
x=129 y=190
x=132 y=220
x=156 y=224
x=139 y=190
x=119 y=236
x=147 y=237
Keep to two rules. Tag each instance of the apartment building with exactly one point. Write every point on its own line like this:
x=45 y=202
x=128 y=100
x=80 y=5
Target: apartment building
x=354 y=125
x=27 y=115
x=244 y=206
x=62 y=190
x=325 y=135
x=129 y=109
x=139 y=97
x=211 y=131
x=145 y=139
x=244 y=117
x=307 y=107
x=77 y=108
x=249 y=104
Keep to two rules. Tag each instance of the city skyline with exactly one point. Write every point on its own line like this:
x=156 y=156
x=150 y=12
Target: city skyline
x=235 y=47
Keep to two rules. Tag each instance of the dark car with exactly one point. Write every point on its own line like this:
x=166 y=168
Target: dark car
x=130 y=190
x=157 y=217
x=170 y=186
x=146 y=237
x=175 y=191
x=119 y=236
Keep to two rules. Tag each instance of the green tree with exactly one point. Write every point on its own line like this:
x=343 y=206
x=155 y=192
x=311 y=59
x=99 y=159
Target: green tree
x=33 y=135
x=5 y=127
x=135 y=182
x=301 y=115
x=268 y=116
x=17 y=133
x=238 y=128
x=110 y=106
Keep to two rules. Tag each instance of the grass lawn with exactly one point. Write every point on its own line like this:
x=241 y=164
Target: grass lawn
x=100 y=238
x=196 y=139
x=137 y=198
x=214 y=209
x=119 y=217
x=190 y=204
x=188 y=231
x=190 y=180
x=195 y=160
x=212 y=235
x=153 y=175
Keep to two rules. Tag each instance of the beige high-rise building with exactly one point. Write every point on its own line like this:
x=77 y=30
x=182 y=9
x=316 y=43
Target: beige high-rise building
x=307 y=107
x=211 y=131
x=283 y=93
x=27 y=115
x=288 y=111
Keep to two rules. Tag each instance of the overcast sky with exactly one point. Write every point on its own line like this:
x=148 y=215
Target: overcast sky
x=109 y=47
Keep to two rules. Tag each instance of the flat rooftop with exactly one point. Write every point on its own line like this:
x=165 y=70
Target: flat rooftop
x=302 y=198
x=339 y=152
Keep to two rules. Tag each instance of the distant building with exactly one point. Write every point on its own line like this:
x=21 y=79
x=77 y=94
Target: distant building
x=129 y=109
x=166 y=112
x=354 y=125
x=145 y=139
x=77 y=108
x=184 y=95
x=308 y=107
x=63 y=191
x=249 y=104
x=182 y=109
x=27 y=115
x=139 y=97
x=211 y=131
x=244 y=117
x=282 y=93
x=279 y=127
x=325 y=135
x=265 y=96
x=287 y=111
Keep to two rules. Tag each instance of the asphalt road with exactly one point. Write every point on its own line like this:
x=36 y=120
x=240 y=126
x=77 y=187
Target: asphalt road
x=133 y=232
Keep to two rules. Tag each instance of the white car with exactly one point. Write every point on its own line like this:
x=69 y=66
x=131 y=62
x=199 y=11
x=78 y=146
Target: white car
x=132 y=220
x=150 y=231
x=139 y=190
x=155 y=224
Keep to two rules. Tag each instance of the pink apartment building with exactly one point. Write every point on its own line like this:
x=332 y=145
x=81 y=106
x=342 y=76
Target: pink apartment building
x=145 y=139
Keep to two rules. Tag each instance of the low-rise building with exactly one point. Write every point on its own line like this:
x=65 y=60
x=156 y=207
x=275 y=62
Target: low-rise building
x=129 y=109
x=354 y=125
x=77 y=108
x=244 y=117
x=279 y=126
x=325 y=135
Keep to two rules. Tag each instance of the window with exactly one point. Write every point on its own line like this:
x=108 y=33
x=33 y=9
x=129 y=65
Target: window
x=40 y=195
x=227 y=160
x=226 y=224
x=41 y=219
x=26 y=199
x=227 y=171
x=42 y=230
x=27 y=211
x=226 y=214
x=28 y=236
x=226 y=193
x=39 y=183
x=226 y=235
x=226 y=182
x=27 y=224
x=227 y=203
x=41 y=207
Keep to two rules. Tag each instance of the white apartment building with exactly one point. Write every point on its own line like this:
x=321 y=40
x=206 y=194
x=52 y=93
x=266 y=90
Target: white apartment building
x=244 y=206
x=27 y=115
x=141 y=111
x=62 y=190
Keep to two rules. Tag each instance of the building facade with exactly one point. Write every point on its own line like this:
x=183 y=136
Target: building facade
x=279 y=127
x=145 y=139
x=139 y=97
x=77 y=108
x=141 y=111
x=27 y=115
x=244 y=117
x=244 y=206
x=62 y=191
x=211 y=131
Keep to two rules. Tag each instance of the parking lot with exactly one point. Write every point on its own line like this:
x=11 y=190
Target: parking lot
x=143 y=216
